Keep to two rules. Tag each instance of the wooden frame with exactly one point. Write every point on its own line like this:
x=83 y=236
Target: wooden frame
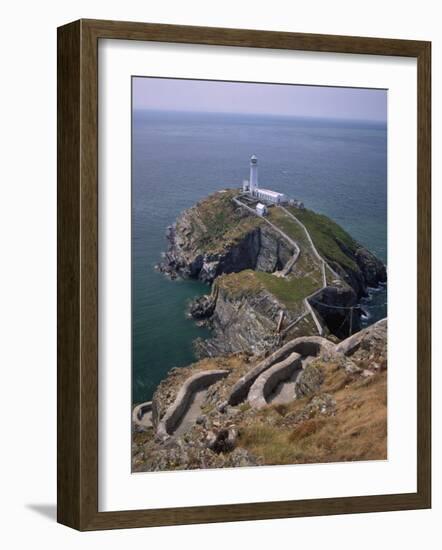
x=78 y=274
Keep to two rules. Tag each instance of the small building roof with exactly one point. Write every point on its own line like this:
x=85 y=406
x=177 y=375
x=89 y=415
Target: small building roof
x=270 y=193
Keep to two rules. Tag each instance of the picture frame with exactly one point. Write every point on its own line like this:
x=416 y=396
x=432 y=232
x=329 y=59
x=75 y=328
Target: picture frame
x=78 y=292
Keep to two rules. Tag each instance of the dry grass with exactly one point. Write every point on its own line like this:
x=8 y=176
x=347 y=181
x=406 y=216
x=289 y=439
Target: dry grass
x=270 y=443
x=306 y=429
x=356 y=431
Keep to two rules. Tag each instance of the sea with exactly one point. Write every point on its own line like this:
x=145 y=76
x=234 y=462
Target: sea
x=336 y=167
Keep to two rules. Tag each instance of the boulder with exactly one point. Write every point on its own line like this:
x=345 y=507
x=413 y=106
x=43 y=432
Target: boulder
x=322 y=404
x=223 y=441
x=202 y=307
x=309 y=381
x=372 y=268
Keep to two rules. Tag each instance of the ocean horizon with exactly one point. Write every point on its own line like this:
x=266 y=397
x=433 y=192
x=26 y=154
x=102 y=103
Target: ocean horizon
x=341 y=121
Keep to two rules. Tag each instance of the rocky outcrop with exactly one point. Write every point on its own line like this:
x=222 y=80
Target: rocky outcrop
x=366 y=270
x=373 y=338
x=333 y=305
x=309 y=381
x=274 y=252
x=260 y=249
x=222 y=441
x=202 y=307
x=178 y=455
x=242 y=322
x=243 y=242
x=373 y=270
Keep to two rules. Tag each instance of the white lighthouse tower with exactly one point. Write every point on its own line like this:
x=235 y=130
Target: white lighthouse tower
x=266 y=195
x=253 y=185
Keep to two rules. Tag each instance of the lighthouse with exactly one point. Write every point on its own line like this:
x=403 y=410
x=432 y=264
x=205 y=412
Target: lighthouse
x=261 y=194
x=253 y=185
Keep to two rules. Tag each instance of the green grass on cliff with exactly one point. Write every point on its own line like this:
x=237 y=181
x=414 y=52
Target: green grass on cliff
x=288 y=225
x=288 y=291
x=222 y=224
x=248 y=282
x=326 y=234
x=240 y=285
x=219 y=223
x=307 y=261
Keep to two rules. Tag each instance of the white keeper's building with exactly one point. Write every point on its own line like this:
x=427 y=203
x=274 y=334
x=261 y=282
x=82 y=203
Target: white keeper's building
x=261 y=209
x=251 y=186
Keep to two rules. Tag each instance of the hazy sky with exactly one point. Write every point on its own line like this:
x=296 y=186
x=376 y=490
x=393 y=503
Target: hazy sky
x=164 y=94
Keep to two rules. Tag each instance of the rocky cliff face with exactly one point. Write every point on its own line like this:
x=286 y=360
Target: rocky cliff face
x=372 y=269
x=242 y=322
x=259 y=248
x=331 y=304
x=244 y=316
x=365 y=271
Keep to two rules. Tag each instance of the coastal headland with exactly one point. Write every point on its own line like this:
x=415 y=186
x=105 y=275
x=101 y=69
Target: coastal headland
x=285 y=294
x=265 y=268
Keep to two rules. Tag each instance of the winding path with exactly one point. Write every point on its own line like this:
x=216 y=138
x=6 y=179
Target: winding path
x=288 y=267
x=284 y=391
x=184 y=411
x=315 y=251
x=324 y=265
x=272 y=381
x=275 y=382
x=303 y=346
x=192 y=413
x=142 y=415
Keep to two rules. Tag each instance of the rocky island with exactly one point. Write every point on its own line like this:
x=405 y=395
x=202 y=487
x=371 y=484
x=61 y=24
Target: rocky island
x=263 y=269
x=287 y=376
